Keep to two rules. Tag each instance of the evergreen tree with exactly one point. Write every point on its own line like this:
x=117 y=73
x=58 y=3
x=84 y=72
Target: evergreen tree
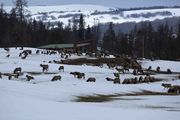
x=109 y=39
x=81 y=27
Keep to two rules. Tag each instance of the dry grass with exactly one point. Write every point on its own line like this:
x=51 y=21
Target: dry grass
x=107 y=98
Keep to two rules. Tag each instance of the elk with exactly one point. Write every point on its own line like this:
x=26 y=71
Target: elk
x=169 y=71
x=91 y=79
x=29 y=77
x=165 y=85
x=17 y=70
x=8 y=55
x=109 y=79
x=158 y=69
x=140 y=79
x=61 y=68
x=45 y=67
x=175 y=89
x=0 y=75
x=78 y=75
x=7 y=49
x=149 y=68
x=55 y=78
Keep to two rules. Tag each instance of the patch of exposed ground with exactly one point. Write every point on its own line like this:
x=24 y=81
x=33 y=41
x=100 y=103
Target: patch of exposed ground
x=107 y=98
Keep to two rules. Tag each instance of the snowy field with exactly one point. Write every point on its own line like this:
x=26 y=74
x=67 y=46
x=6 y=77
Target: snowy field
x=64 y=13
x=42 y=99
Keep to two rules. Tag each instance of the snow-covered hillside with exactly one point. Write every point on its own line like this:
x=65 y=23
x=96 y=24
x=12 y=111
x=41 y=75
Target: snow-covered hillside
x=95 y=14
x=42 y=99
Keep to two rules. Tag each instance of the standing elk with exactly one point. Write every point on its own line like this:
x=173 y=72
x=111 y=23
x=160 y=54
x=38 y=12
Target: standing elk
x=109 y=79
x=0 y=75
x=165 y=85
x=45 y=67
x=149 y=68
x=55 y=78
x=78 y=75
x=29 y=77
x=158 y=69
x=17 y=70
x=7 y=49
x=61 y=68
x=91 y=79
x=169 y=71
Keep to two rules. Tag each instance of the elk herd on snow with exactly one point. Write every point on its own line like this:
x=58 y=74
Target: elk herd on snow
x=142 y=75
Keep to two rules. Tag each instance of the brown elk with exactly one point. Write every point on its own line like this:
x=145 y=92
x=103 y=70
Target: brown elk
x=158 y=69
x=61 y=68
x=149 y=68
x=109 y=79
x=17 y=70
x=55 y=78
x=45 y=67
x=78 y=75
x=175 y=89
x=91 y=79
x=7 y=49
x=8 y=55
x=29 y=77
x=169 y=71
x=165 y=85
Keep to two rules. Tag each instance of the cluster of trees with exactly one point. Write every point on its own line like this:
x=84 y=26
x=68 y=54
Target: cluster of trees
x=16 y=29
x=145 y=42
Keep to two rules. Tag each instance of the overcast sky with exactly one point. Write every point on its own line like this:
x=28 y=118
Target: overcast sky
x=110 y=3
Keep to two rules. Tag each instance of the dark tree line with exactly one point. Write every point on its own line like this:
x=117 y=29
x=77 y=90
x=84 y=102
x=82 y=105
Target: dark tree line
x=18 y=30
x=144 y=42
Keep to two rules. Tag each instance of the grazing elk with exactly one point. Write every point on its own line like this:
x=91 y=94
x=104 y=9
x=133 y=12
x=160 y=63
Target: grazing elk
x=45 y=67
x=17 y=70
x=7 y=49
x=37 y=51
x=109 y=79
x=78 y=75
x=81 y=75
x=55 y=78
x=9 y=77
x=140 y=79
x=29 y=77
x=169 y=71
x=149 y=68
x=27 y=52
x=8 y=55
x=61 y=68
x=91 y=79
x=165 y=85
x=158 y=69
x=175 y=89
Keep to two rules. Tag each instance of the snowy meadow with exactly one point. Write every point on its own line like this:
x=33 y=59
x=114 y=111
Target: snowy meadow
x=75 y=99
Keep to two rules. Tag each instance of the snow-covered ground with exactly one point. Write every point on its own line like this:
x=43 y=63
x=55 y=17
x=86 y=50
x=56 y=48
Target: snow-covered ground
x=41 y=99
x=65 y=13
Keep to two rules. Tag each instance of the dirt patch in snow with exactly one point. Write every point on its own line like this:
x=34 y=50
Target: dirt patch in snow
x=107 y=98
